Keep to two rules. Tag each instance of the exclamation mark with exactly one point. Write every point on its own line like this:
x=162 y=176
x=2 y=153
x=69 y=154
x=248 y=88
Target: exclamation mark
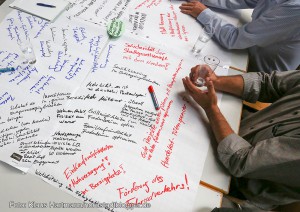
x=186 y=182
x=122 y=168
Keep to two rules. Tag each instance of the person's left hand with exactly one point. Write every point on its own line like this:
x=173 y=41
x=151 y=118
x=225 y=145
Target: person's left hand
x=193 y=8
x=206 y=99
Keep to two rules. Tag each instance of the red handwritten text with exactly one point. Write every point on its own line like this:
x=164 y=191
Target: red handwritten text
x=93 y=154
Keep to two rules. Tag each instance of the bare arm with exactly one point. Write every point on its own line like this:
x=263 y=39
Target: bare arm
x=208 y=101
x=229 y=84
x=219 y=124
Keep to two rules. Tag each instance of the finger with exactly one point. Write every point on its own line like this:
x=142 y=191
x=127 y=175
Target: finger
x=191 y=87
x=184 y=83
x=186 y=7
x=185 y=87
x=196 y=67
x=194 y=72
x=188 y=12
x=210 y=87
x=188 y=4
x=208 y=69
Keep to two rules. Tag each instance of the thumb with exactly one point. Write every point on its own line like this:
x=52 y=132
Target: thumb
x=210 y=87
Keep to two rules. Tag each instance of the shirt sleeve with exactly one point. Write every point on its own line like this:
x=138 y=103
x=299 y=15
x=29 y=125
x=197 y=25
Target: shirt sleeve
x=260 y=86
x=272 y=26
x=230 y=4
x=265 y=160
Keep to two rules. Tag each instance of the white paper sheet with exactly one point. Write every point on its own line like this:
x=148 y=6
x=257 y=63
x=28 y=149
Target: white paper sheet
x=148 y=155
x=98 y=12
x=86 y=105
x=32 y=94
x=47 y=13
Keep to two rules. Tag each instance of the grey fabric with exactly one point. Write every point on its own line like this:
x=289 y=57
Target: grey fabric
x=272 y=37
x=225 y=210
x=266 y=155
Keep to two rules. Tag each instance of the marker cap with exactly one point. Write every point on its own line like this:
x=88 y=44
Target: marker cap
x=150 y=89
x=115 y=28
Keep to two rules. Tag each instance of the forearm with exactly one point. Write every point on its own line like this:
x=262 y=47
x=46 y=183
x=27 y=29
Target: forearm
x=219 y=125
x=228 y=35
x=230 y=84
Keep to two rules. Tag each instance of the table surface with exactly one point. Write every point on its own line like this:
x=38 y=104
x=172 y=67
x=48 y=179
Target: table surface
x=24 y=188
x=214 y=174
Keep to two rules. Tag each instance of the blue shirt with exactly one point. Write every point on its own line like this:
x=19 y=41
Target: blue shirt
x=272 y=37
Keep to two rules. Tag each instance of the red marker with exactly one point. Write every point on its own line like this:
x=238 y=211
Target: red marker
x=151 y=90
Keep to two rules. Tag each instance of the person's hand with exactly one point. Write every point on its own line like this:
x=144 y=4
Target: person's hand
x=193 y=8
x=206 y=99
x=202 y=71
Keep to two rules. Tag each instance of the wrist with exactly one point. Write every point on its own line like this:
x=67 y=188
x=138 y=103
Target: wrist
x=217 y=83
x=213 y=109
x=201 y=10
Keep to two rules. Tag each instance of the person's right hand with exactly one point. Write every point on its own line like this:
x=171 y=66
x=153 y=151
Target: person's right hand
x=206 y=99
x=193 y=8
x=203 y=71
